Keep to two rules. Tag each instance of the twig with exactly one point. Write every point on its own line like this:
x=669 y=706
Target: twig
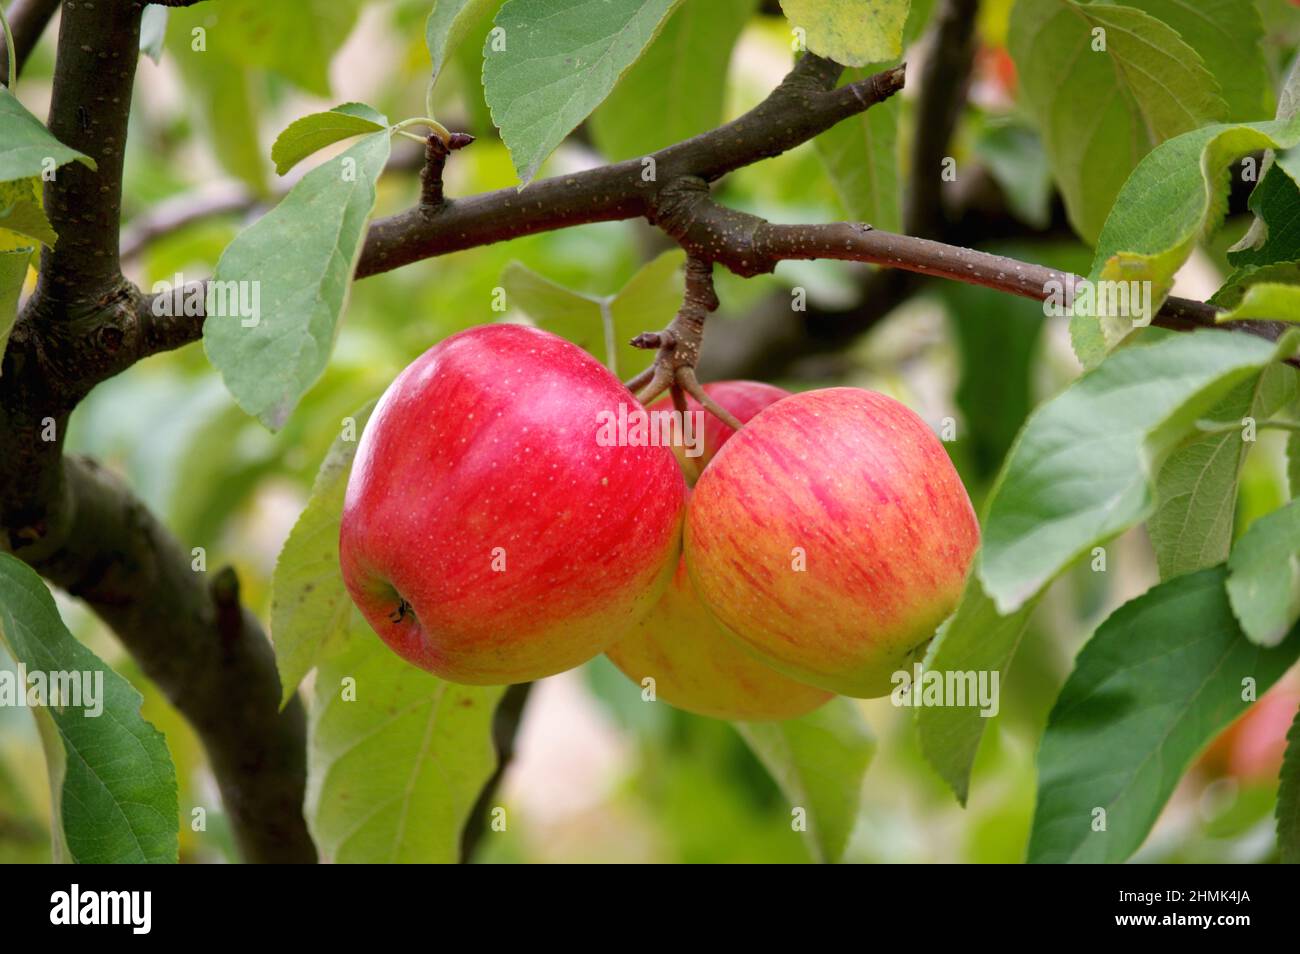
x=776 y=337
x=505 y=729
x=641 y=380
x=81 y=528
x=436 y=151
x=221 y=198
x=208 y=655
x=805 y=104
x=945 y=77
x=11 y=58
x=99 y=45
x=27 y=21
x=229 y=197
x=679 y=345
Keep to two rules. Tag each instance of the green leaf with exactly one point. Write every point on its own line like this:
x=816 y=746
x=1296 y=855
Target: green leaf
x=448 y=25
x=680 y=81
x=1288 y=99
x=850 y=32
x=1239 y=284
x=1157 y=682
x=1173 y=90
x=1176 y=195
x=22 y=212
x=562 y=311
x=647 y=302
x=310 y=607
x=1293 y=464
x=918 y=19
x=1014 y=157
x=314 y=132
x=1229 y=36
x=974 y=639
x=1288 y=798
x=221 y=93
x=206 y=490
x=13 y=272
x=861 y=156
x=301 y=256
x=603 y=325
x=113 y=784
x=998 y=337
x=818 y=761
x=1264 y=576
x=1267 y=301
x=1100 y=112
x=1275 y=235
x=393 y=773
x=1196 y=490
x=25 y=144
x=296 y=40
x=1275 y=186
x=153 y=31
x=466 y=62
x=560 y=59
x=1084 y=467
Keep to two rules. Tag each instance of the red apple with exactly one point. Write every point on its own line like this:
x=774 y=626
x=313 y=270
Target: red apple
x=696 y=664
x=832 y=535
x=1252 y=747
x=698 y=667
x=995 y=63
x=487 y=534
x=743 y=399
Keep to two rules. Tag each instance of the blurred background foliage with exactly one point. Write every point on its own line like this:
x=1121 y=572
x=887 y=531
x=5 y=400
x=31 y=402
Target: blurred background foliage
x=600 y=775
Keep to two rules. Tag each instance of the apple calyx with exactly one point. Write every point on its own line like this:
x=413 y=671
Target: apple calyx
x=400 y=613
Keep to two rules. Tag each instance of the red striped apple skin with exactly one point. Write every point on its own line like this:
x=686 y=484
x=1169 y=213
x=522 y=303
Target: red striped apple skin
x=743 y=399
x=695 y=663
x=866 y=490
x=485 y=450
x=698 y=667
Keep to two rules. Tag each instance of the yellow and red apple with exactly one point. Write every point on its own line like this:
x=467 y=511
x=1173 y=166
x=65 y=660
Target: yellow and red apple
x=832 y=535
x=695 y=664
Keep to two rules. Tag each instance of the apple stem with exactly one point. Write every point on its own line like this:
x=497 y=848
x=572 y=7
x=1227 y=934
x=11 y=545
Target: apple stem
x=679 y=345
x=686 y=378
x=679 y=398
x=636 y=383
x=661 y=376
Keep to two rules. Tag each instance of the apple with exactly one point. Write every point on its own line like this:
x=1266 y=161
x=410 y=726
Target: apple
x=695 y=663
x=996 y=65
x=1252 y=747
x=698 y=667
x=743 y=399
x=832 y=535
x=488 y=536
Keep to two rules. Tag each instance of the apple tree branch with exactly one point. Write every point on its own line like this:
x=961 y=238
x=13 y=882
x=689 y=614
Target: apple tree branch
x=85 y=323
x=83 y=529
